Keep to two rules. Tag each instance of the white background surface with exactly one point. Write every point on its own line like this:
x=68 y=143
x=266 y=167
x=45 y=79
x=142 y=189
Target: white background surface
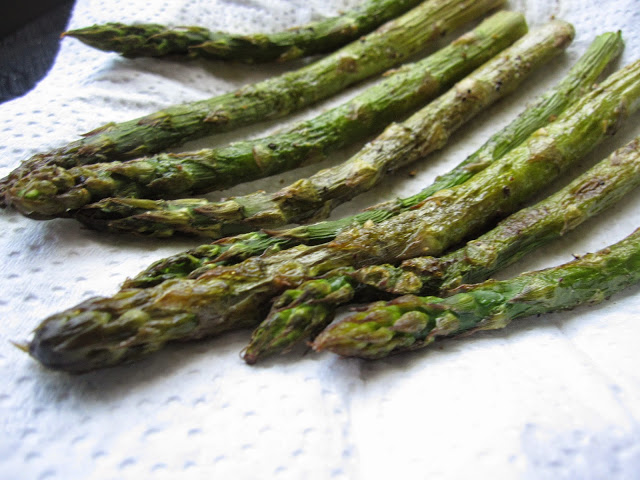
x=551 y=398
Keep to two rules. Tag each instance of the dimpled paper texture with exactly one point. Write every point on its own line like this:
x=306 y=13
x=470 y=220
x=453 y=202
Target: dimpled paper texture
x=555 y=397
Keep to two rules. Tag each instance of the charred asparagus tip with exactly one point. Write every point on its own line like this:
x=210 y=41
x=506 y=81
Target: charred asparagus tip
x=249 y=358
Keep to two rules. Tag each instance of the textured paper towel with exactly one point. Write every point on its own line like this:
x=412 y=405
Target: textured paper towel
x=549 y=398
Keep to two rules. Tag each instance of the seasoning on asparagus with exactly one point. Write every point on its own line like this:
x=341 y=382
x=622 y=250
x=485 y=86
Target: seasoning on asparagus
x=299 y=314
x=275 y=97
x=411 y=322
x=106 y=331
x=231 y=250
x=400 y=144
x=153 y=40
x=172 y=175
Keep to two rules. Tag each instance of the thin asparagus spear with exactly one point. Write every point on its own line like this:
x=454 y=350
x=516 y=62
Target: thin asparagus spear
x=106 y=331
x=153 y=40
x=230 y=250
x=299 y=314
x=400 y=144
x=411 y=322
x=276 y=97
x=171 y=175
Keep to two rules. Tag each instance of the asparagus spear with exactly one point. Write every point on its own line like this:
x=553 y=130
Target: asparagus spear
x=153 y=40
x=106 y=331
x=299 y=314
x=234 y=249
x=516 y=236
x=59 y=190
x=399 y=145
x=411 y=322
x=392 y=43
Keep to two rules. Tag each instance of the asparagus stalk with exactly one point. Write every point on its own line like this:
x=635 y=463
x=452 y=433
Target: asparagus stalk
x=400 y=144
x=299 y=314
x=192 y=263
x=230 y=250
x=153 y=40
x=516 y=236
x=59 y=190
x=411 y=322
x=106 y=331
x=276 y=97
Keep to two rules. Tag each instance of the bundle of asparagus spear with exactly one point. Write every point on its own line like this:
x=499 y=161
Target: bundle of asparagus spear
x=299 y=277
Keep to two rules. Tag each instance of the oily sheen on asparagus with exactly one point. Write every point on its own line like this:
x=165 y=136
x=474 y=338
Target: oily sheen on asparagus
x=399 y=145
x=300 y=313
x=52 y=191
x=154 y=40
x=106 y=331
x=275 y=97
x=411 y=322
x=577 y=82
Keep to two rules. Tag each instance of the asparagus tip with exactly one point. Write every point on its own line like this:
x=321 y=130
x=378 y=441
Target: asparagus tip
x=250 y=357
x=322 y=342
x=24 y=346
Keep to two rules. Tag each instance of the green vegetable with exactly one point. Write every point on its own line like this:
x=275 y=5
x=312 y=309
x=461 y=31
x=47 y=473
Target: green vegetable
x=300 y=313
x=153 y=40
x=411 y=322
x=400 y=144
x=517 y=235
x=275 y=97
x=234 y=249
x=106 y=331
x=172 y=175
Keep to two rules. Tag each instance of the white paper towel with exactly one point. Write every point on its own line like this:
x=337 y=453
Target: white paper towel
x=556 y=397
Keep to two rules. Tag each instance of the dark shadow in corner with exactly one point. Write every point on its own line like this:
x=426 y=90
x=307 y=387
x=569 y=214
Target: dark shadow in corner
x=27 y=51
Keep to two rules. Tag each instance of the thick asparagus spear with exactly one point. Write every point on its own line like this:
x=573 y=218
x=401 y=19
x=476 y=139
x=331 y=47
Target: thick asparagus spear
x=300 y=313
x=411 y=322
x=153 y=40
x=229 y=250
x=400 y=144
x=517 y=235
x=106 y=331
x=392 y=43
x=170 y=175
